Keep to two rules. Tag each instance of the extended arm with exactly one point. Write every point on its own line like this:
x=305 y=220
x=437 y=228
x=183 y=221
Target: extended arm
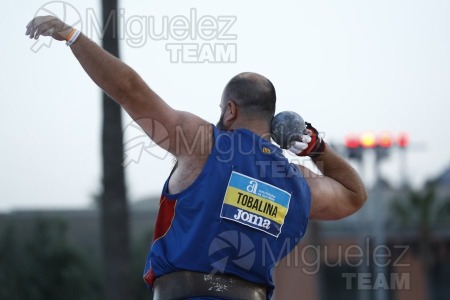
x=126 y=87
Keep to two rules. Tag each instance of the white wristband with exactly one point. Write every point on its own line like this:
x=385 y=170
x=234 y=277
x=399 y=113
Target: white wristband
x=73 y=38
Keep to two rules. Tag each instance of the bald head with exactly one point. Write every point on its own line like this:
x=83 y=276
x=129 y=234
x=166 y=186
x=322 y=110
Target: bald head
x=253 y=94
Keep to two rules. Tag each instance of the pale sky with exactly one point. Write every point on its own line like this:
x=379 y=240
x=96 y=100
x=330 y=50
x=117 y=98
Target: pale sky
x=345 y=66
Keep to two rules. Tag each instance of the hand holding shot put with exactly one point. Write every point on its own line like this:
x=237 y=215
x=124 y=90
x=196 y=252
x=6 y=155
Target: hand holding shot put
x=242 y=184
x=291 y=132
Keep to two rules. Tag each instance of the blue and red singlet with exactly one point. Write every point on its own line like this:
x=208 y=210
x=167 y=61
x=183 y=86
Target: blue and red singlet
x=247 y=209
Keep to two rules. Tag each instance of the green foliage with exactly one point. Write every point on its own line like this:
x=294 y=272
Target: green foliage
x=44 y=266
x=443 y=212
x=425 y=211
x=422 y=208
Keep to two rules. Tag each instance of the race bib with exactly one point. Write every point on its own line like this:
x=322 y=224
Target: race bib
x=256 y=204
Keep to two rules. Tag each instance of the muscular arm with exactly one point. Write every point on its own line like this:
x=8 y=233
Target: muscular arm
x=127 y=88
x=339 y=192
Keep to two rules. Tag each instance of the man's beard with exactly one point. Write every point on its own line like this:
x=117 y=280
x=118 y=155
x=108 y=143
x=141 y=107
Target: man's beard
x=220 y=124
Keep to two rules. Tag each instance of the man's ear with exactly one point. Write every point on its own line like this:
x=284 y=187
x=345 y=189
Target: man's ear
x=230 y=113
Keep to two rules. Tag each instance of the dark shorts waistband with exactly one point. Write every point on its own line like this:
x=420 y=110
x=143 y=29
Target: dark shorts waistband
x=186 y=284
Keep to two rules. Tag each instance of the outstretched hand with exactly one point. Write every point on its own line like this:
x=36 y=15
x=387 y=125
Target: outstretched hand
x=48 y=26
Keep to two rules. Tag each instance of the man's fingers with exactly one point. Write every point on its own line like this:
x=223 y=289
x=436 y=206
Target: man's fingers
x=31 y=27
x=300 y=146
x=306 y=139
x=39 y=26
x=44 y=29
x=297 y=147
x=31 y=33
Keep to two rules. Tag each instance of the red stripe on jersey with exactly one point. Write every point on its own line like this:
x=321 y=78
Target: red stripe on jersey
x=163 y=223
x=150 y=277
x=165 y=217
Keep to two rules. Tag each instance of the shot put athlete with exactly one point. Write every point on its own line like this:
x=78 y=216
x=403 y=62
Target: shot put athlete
x=233 y=206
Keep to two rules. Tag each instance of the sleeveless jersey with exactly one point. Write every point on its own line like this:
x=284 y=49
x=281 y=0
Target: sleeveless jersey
x=247 y=209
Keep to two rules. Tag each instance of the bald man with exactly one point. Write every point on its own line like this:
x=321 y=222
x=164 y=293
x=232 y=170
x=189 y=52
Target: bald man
x=233 y=206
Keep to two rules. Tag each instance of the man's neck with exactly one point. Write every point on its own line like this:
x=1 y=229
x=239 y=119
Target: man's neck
x=258 y=128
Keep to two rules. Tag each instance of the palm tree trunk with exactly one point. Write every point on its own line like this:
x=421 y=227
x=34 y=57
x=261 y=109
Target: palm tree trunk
x=426 y=257
x=114 y=211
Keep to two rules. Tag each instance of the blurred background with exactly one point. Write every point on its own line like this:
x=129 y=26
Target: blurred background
x=80 y=182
